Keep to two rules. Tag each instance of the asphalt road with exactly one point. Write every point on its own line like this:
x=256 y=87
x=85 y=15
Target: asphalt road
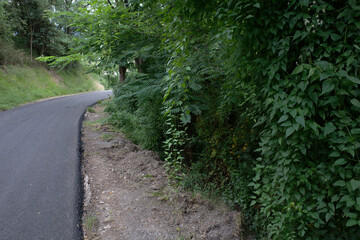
x=40 y=168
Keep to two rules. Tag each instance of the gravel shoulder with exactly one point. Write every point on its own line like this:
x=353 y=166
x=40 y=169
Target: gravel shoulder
x=127 y=195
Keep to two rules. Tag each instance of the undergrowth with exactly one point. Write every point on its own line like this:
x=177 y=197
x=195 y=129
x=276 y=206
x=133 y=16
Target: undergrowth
x=136 y=111
x=256 y=102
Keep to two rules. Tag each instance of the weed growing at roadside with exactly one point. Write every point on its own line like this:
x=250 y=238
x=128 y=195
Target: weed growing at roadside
x=95 y=125
x=107 y=137
x=89 y=222
x=91 y=110
x=160 y=195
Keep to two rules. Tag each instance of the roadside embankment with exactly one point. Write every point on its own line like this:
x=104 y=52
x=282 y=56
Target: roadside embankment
x=22 y=84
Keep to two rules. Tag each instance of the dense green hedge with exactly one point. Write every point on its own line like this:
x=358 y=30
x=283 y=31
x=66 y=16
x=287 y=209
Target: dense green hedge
x=257 y=101
x=306 y=59
x=264 y=97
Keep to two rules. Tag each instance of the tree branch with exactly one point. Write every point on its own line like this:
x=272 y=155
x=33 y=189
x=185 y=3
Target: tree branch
x=110 y=4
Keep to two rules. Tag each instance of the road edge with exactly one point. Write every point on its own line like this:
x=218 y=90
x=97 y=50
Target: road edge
x=80 y=178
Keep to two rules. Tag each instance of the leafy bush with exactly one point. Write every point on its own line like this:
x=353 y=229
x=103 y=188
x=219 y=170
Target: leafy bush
x=137 y=110
x=300 y=59
x=305 y=63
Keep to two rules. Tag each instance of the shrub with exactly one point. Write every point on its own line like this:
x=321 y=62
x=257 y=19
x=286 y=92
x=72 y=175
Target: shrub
x=305 y=64
x=11 y=56
x=137 y=110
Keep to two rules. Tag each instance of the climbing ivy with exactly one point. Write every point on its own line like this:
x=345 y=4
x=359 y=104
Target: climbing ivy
x=306 y=56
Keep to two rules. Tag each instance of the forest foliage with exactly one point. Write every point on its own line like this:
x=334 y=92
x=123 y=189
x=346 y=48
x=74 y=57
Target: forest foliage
x=255 y=101
x=27 y=32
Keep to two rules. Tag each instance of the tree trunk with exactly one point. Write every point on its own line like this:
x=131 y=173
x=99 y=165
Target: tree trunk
x=42 y=50
x=138 y=63
x=31 y=43
x=122 y=69
x=122 y=73
x=68 y=30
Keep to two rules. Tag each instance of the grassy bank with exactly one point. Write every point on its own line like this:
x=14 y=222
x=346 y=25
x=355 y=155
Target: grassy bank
x=21 y=84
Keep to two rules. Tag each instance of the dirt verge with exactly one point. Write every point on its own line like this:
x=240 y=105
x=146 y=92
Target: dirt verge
x=127 y=195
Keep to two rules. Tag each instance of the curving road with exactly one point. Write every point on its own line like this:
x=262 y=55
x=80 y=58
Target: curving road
x=40 y=168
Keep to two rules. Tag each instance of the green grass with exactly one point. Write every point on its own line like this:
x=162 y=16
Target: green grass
x=160 y=195
x=91 y=110
x=148 y=176
x=95 y=125
x=89 y=222
x=107 y=137
x=22 y=84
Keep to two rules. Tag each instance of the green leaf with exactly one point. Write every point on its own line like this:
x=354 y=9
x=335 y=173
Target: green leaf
x=298 y=69
x=340 y=162
x=289 y=131
x=346 y=198
x=335 y=198
x=300 y=120
x=358 y=200
x=352 y=215
x=340 y=183
x=297 y=34
x=323 y=65
x=355 y=131
x=354 y=184
x=314 y=126
x=293 y=21
x=257 y=5
x=351 y=222
x=293 y=113
x=311 y=72
x=334 y=154
x=354 y=80
x=327 y=87
x=283 y=118
x=302 y=85
x=328 y=216
x=304 y=34
x=329 y=128
x=350 y=203
x=335 y=37
x=304 y=2
x=355 y=102
x=342 y=73
x=314 y=97
x=325 y=75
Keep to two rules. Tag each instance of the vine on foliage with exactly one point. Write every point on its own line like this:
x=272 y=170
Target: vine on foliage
x=307 y=179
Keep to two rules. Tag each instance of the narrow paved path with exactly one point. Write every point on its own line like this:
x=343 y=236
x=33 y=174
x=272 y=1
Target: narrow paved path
x=39 y=168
